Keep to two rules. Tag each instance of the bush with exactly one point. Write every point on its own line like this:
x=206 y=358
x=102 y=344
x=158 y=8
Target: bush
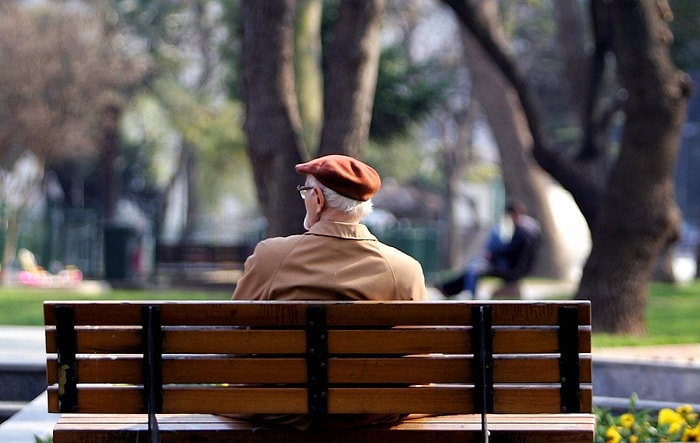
x=635 y=426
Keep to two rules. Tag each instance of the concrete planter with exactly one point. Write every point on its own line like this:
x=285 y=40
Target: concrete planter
x=657 y=383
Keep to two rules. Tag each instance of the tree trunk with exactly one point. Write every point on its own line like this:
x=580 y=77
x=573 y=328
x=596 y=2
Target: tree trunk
x=639 y=215
x=308 y=70
x=634 y=216
x=109 y=180
x=10 y=247
x=189 y=169
x=522 y=176
x=351 y=61
x=454 y=160
x=272 y=118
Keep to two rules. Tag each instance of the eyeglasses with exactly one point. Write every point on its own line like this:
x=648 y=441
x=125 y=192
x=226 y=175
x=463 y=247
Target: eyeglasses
x=303 y=190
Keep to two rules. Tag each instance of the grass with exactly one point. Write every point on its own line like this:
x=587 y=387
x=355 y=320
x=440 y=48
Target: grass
x=672 y=315
x=23 y=306
x=672 y=310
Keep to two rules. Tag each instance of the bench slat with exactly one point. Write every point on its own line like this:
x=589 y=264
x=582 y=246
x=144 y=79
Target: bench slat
x=289 y=400
x=528 y=428
x=394 y=341
x=248 y=313
x=406 y=370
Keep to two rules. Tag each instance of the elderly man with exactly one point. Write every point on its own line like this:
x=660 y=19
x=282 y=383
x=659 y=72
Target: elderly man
x=336 y=259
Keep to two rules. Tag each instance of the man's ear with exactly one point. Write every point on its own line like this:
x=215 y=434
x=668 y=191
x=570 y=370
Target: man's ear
x=320 y=199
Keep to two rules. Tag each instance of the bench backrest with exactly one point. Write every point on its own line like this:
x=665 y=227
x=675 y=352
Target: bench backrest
x=319 y=357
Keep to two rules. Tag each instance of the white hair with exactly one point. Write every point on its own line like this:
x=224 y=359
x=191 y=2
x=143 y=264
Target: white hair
x=340 y=202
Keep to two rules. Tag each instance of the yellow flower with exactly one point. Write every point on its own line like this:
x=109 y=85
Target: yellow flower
x=686 y=411
x=627 y=420
x=691 y=434
x=675 y=427
x=668 y=416
x=612 y=436
x=634 y=439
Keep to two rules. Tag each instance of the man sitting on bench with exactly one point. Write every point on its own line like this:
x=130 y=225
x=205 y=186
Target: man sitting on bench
x=509 y=256
x=336 y=259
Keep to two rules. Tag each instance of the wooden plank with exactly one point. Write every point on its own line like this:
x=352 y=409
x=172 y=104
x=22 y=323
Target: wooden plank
x=454 y=428
x=525 y=369
x=274 y=400
x=340 y=400
x=534 y=340
x=102 y=340
x=524 y=399
x=393 y=371
x=127 y=340
x=414 y=420
x=447 y=341
x=402 y=370
x=386 y=313
x=101 y=399
x=128 y=370
x=399 y=341
x=235 y=371
x=233 y=341
x=433 y=399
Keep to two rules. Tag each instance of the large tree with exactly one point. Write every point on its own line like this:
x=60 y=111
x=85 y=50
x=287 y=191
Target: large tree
x=630 y=207
x=273 y=123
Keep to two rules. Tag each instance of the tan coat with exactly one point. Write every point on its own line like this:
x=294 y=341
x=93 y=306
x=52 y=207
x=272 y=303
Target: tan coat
x=332 y=261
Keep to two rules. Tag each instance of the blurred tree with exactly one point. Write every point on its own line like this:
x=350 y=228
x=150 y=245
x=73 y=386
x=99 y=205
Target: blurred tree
x=406 y=93
x=62 y=79
x=631 y=211
x=273 y=122
x=184 y=38
x=307 y=72
x=275 y=117
x=522 y=177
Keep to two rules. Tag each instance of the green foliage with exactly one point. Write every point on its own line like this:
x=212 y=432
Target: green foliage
x=160 y=122
x=406 y=93
x=157 y=24
x=636 y=426
x=398 y=159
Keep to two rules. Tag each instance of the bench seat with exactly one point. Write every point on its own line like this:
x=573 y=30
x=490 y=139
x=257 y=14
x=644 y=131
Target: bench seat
x=162 y=371
x=535 y=428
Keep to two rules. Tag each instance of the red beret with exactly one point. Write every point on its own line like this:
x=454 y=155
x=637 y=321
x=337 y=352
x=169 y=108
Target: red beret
x=345 y=175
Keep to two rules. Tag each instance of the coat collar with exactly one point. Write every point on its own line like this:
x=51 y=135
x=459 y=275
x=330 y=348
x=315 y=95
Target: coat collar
x=355 y=231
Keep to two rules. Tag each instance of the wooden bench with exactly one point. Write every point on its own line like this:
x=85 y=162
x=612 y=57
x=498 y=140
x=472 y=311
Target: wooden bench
x=505 y=370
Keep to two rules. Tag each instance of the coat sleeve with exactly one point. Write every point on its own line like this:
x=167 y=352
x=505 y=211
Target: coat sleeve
x=257 y=275
x=418 y=290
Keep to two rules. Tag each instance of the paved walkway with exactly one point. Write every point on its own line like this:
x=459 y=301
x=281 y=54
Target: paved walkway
x=685 y=353
x=23 y=346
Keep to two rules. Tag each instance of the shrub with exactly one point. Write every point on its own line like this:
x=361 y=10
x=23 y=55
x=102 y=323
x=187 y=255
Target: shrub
x=635 y=426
